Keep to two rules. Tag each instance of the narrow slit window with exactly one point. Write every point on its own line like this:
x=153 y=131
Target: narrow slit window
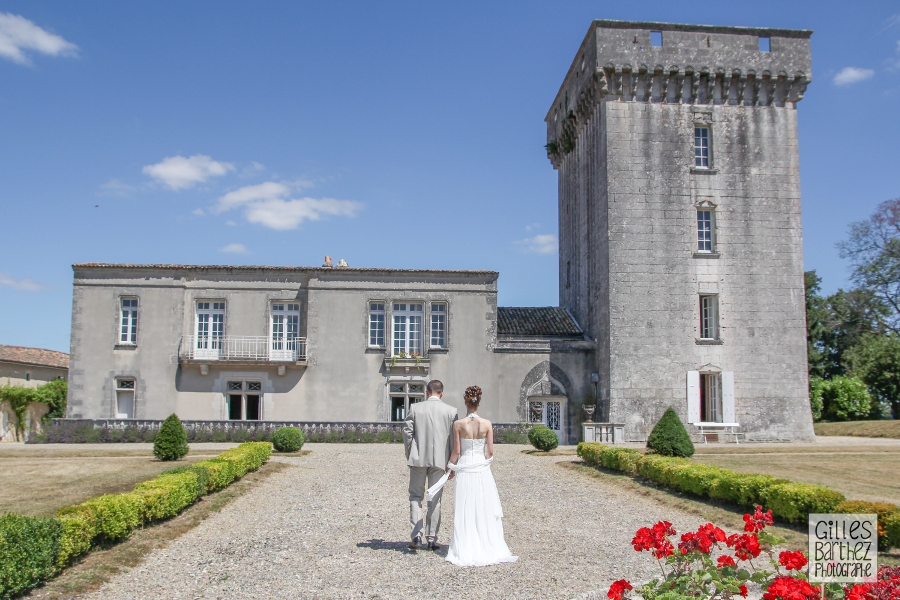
x=376 y=324
x=438 y=325
x=765 y=44
x=709 y=317
x=704 y=231
x=701 y=147
x=656 y=38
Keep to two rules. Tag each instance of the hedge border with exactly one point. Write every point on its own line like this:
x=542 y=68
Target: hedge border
x=789 y=501
x=57 y=541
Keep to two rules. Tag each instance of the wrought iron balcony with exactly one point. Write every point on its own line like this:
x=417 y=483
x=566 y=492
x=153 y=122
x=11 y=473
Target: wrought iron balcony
x=232 y=348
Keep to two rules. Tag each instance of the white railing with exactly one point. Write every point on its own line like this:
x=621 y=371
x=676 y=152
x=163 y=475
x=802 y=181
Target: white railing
x=242 y=348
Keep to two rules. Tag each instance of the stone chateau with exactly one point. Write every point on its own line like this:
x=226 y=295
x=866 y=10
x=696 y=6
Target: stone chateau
x=680 y=277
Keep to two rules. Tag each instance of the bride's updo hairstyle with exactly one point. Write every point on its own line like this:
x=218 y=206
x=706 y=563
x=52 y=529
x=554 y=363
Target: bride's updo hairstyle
x=473 y=396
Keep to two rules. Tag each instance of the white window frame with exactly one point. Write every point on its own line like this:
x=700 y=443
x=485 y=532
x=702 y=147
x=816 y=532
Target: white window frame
x=376 y=323
x=695 y=382
x=284 y=330
x=244 y=389
x=407 y=328
x=706 y=228
x=709 y=316
x=702 y=146
x=128 y=320
x=209 y=330
x=438 y=330
x=411 y=391
x=125 y=385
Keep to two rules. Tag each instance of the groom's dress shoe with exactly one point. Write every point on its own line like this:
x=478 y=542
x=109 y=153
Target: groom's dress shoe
x=432 y=545
x=415 y=543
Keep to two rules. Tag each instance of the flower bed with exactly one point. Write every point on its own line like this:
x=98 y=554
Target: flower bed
x=32 y=550
x=788 y=500
x=690 y=571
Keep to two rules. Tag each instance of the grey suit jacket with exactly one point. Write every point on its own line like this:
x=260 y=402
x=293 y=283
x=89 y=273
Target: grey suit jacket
x=426 y=433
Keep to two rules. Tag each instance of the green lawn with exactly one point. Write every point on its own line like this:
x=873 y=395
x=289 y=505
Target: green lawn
x=884 y=429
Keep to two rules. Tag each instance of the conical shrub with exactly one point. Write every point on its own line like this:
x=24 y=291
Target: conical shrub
x=171 y=441
x=669 y=437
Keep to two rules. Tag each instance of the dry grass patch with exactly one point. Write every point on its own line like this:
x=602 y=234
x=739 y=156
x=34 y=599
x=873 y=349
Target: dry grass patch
x=872 y=476
x=37 y=480
x=101 y=565
x=558 y=451
x=883 y=429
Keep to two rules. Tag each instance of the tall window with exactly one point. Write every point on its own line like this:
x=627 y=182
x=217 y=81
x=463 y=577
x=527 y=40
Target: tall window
x=711 y=397
x=701 y=147
x=128 y=321
x=709 y=317
x=376 y=324
x=438 y=325
x=704 y=231
x=210 y=329
x=407 y=328
x=404 y=395
x=124 y=398
x=244 y=400
x=285 y=331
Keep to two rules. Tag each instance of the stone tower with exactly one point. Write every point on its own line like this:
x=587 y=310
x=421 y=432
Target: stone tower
x=679 y=222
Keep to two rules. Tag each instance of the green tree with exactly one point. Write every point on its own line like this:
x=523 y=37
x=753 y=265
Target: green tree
x=669 y=437
x=840 y=399
x=873 y=248
x=877 y=362
x=171 y=441
x=817 y=318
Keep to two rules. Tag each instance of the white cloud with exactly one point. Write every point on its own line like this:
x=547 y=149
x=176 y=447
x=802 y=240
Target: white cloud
x=532 y=226
x=268 y=204
x=178 y=172
x=545 y=243
x=254 y=168
x=22 y=284
x=234 y=249
x=849 y=75
x=230 y=223
x=269 y=190
x=198 y=211
x=18 y=34
x=289 y=214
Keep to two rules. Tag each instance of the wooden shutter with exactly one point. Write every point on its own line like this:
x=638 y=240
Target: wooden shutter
x=693 y=396
x=728 y=415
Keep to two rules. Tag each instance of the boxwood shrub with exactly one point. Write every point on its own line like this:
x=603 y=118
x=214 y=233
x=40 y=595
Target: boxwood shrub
x=884 y=510
x=543 y=438
x=289 y=439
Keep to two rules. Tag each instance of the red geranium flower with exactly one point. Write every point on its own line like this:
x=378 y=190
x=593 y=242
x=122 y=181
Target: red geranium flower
x=655 y=539
x=726 y=561
x=789 y=588
x=743 y=589
x=758 y=520
x=617 y=589
x=792 y=560
x=858 y=592
x=746 y=546
x=705 y=538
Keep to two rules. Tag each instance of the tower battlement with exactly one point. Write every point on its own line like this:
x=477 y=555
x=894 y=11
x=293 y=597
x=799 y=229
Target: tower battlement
x=668 y=63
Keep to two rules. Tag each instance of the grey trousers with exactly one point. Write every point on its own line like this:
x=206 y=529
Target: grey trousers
x=417 y=487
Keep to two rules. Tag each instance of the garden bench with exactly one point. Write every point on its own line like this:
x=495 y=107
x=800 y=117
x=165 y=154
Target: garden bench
x=711 y=428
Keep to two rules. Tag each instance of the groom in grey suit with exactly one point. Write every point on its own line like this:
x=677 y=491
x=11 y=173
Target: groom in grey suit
x=426 y=435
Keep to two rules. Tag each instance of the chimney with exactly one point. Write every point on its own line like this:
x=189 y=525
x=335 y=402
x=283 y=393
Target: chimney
x=327 y=262
x=342 y=264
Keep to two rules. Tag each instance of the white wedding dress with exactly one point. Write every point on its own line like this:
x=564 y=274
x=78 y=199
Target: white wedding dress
x=477 y=522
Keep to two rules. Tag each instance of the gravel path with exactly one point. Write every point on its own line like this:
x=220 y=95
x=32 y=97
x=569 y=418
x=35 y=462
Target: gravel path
x=335 y=526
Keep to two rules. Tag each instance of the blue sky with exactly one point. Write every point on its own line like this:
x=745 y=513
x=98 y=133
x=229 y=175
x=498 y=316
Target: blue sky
x=388 y=134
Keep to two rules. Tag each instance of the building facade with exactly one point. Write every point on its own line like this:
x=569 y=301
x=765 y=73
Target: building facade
x=30 y=368
x=314 y=344
x=679 y=222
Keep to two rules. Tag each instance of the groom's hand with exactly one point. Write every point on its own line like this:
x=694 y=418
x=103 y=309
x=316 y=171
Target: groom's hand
x=452 y=475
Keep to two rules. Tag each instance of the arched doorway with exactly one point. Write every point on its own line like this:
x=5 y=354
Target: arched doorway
x=543 y=398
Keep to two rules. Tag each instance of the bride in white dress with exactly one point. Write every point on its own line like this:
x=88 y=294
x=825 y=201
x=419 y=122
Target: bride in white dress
x=477 y=523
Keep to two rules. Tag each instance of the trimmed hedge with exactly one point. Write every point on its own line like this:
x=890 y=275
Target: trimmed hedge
x=789 y=501
x=32 y=550
x=888 y=537
x=28 y=550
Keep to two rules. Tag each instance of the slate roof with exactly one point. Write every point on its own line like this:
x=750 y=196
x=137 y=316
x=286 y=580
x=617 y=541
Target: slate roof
x=282 y=268
x=34 y=356
x=551 y=321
